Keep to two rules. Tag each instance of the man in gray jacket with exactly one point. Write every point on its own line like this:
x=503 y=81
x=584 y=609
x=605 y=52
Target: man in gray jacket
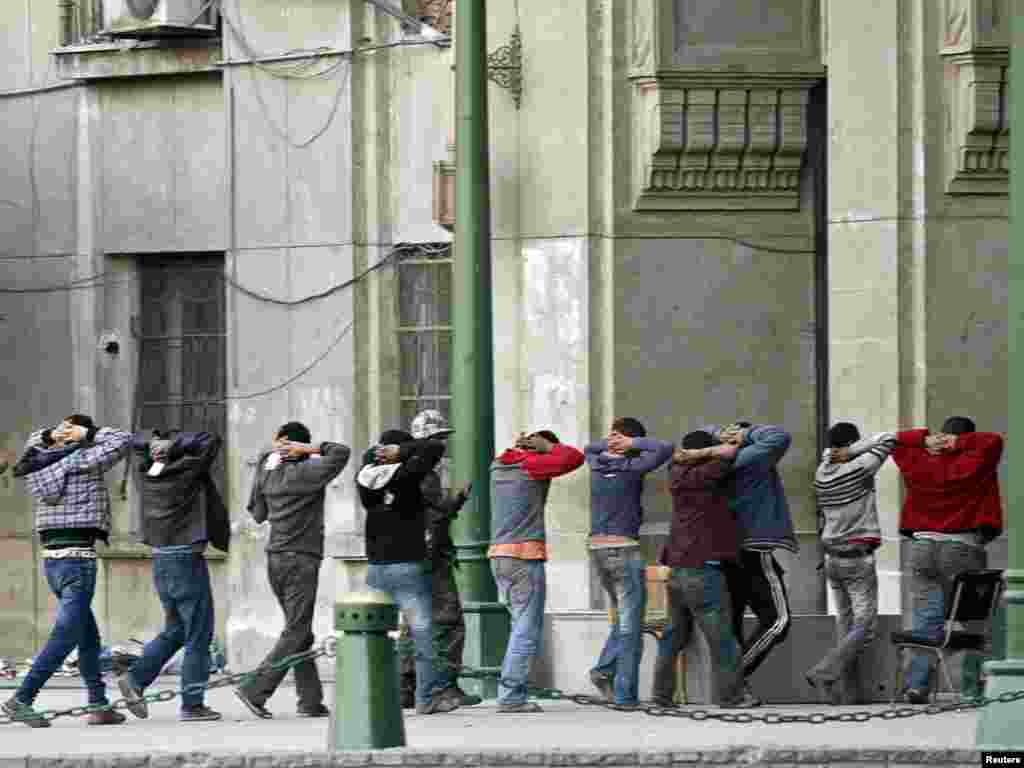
x=289 y=491
x=182 y=512
x=850 y=534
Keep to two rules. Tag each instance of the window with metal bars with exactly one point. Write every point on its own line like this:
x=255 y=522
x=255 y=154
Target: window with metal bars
x=182 y=347
x=424 y=329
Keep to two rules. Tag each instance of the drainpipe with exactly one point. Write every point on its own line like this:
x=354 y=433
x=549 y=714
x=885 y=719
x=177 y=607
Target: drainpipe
x=65 y=9
x=999 y=725
x=473 y=360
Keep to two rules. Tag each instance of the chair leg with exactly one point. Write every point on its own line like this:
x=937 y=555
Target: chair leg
x=945 y=669
x=897 y=676
x=680 y=671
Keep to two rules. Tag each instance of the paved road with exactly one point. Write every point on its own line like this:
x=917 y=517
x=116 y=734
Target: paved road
x=562 y=726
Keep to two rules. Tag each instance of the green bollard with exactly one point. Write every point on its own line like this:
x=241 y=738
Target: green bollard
x=367 y=710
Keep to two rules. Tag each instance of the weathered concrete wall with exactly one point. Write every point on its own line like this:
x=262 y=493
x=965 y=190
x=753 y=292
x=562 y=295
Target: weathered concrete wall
x=916 y=275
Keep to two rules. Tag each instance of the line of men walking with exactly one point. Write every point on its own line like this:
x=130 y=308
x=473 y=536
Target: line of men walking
x=730 y=514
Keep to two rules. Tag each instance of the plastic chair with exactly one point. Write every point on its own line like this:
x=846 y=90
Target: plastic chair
x=975 y=597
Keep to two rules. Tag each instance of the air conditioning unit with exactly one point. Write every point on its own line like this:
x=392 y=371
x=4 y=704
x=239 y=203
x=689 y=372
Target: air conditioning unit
x=159 y=18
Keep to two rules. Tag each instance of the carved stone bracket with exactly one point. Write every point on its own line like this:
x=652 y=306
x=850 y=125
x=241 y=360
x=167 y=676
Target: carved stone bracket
x=721 y=142
x=976 y=49
x=504 y=67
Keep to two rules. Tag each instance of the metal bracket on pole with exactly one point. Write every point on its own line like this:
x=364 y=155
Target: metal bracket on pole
x=505 y=67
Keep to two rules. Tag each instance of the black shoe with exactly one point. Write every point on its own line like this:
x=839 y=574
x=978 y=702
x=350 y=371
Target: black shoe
x=746 y=701
x=320 y=711
x=252 y=706
x=199 y=713
x=916 y=696
x=604 y=683
x=136 y=704
x=464 y=699
x=408 y=700
x=105 y=717
x=663 y=703
x=827 y=690
x=441 y=701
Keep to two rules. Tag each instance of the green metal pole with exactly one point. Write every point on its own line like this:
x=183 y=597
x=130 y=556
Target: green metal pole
x=999 y=725
x=367 y=712
x=473 y=361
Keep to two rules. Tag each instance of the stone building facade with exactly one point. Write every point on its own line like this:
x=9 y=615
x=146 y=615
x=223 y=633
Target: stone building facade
x=793 y=211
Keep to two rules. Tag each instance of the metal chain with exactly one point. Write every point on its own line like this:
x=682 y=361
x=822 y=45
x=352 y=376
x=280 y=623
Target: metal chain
x=329 y=646
x=326 y=648
x=769 y=718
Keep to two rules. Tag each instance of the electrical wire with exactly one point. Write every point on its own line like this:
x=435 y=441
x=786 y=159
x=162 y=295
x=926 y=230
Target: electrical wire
x=104 y=279
x=294 y=377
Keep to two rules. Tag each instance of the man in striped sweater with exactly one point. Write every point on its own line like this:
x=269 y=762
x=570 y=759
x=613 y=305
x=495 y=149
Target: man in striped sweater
x=850 y=534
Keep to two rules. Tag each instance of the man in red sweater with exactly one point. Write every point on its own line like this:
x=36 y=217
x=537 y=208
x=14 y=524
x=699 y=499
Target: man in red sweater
x=951 y=512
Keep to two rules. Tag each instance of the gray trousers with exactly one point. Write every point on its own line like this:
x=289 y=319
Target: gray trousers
x=854 y=583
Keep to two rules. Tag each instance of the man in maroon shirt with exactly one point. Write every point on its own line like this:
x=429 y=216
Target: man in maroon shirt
x=951 y=512
x=703 y=536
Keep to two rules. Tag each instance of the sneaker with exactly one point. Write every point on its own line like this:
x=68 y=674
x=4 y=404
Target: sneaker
x=464 y=699
x=439 y=702
x=23 y=713
x=748 y=693
x=605 y=684
x=746 y=701
x=827 y=690
x=133 y=695
x=527 y=707
x=198 y=713
x=916 y=696
x=318 y=711
x=663 y=703
x=252 y=706
x=105 y=717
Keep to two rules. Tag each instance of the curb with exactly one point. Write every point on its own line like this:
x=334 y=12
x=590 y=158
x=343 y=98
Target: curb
x=782 y=757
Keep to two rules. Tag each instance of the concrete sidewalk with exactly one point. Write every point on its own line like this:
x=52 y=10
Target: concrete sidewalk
x=563 y=726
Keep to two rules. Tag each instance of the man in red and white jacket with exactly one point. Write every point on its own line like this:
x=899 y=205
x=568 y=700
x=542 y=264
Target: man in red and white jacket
x=951 y=512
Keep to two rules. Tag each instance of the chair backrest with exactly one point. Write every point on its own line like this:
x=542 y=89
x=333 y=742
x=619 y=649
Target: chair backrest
x=975 y=595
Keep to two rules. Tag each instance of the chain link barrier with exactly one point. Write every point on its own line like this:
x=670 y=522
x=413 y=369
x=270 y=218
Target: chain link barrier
x=768 y=718
x=326 y=648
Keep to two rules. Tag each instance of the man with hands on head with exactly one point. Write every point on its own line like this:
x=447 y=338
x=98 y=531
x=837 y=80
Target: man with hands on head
x=63 y=469
x=951 y=511
x=288 y=491
x=703 y=542
x=520 y=479
x=449 y=626
x=850 y=533
x=765 y=524
x=390 y=489
x=182 y=511
x=618 y=465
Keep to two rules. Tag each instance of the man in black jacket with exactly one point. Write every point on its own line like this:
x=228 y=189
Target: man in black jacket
x=442 y=507
x=182 y=511
x=390 y=490
x=289 y=491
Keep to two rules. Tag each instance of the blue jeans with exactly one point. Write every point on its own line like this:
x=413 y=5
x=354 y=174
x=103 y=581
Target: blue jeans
x=73 y=581
x=622 y=571
x=410 y=586
x=933 y=566
x=522 y=587
x=700 y=596
x=183 y=584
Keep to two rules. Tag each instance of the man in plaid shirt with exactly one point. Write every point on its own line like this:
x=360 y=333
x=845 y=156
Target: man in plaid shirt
x=63 y=469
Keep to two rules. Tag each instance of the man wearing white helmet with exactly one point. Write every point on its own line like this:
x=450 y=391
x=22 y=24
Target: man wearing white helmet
x=442 y=508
